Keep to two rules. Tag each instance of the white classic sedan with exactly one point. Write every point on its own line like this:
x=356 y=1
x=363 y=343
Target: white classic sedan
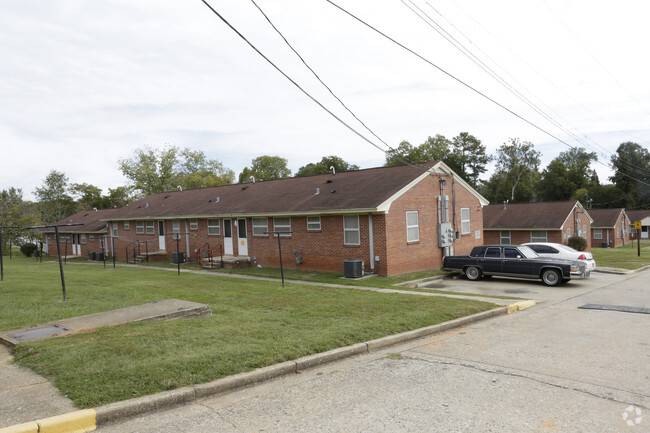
x=549 y=249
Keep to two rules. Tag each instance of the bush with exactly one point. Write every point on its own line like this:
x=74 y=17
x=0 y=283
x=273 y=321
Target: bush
x=28 y=249
x=578 y=243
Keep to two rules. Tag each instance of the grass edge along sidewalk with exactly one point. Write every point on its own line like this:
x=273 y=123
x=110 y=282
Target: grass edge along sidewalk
x=90 y=419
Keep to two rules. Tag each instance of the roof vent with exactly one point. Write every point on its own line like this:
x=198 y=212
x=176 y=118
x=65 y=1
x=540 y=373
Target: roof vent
x=333 y=170
x=329 y=181
x=253 y=179
x=146 y=205
x=505 y=204
x=317 y=191
x=332 y=191
x=218 y=200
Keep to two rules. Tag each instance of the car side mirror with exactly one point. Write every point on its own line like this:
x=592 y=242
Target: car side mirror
x=518 y=256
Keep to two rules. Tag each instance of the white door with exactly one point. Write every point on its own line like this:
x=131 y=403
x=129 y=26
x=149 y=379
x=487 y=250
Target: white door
x=161 y=235
x=227 y=237
x=242 y=245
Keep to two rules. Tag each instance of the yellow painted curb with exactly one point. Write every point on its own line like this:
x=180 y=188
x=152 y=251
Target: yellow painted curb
x=74 y=422
x=520 y=306
x=28 y=427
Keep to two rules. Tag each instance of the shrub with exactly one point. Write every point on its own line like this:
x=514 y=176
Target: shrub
x=28 y=249
x=578 y=243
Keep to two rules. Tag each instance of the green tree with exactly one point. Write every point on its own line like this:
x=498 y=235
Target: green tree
x=265 y=168
x=195 y=170
x=566 y=174
x=15 y=212
x=433 y=149
x=53 y=199
x=516 y=173
x=88 y=196
x=468 y=157
x=117 y=197
x=631 y=165
x=323 y=167
x=157 y=170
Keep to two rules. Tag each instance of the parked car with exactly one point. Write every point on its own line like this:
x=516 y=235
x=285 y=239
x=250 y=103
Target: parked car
x=549 y=249
x=514 y=261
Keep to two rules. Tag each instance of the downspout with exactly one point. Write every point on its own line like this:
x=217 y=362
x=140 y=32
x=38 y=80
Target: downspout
x=187 y=240
x=453 y=204
x=371 y=243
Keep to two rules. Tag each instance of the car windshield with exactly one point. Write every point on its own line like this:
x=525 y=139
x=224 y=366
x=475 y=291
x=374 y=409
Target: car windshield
x=528 y=252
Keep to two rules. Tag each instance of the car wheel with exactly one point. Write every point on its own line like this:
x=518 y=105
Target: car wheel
x=551 y=277
x=472 y=273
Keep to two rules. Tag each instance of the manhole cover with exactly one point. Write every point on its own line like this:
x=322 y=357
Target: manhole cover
x=621 y=308
x=35 y=333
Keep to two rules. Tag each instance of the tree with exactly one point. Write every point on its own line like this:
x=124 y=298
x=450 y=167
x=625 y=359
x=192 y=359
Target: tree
x=15 y=212
x=157 y=170
x=265 y=168
x=88 y=196
x=197 y=171
x=323 y=167
x=632 y=173
x=569 y=172
x=433 y=149
x=54 y=202
x=468 y=157
x=516 y=173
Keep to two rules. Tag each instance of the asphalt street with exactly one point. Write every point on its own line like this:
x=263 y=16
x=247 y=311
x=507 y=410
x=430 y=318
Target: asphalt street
x=553 y=367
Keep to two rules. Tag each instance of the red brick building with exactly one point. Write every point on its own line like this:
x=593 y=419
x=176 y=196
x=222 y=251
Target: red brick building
x=517 y=223
x=395 y=219
x=610 y=227
x=78 y=240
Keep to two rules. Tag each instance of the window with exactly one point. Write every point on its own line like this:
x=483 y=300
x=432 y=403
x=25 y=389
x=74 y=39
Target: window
x=260 y=226
x=82 y=238
x=127 y=225
x=214 y=227
x=351 y=230
x=176 y=226
x=510 y=253
x=465 y=226
x=538 y=236
x=504 y=237
x=150 y=228
x=598 y=233
x=194 y=224
x=48 y=240
x=493 y=252
x=618 y=232
x=282 y=225
x=313 y=223
x=412 y=227
x=584 y=231
x=114 y=234
x=91 y=237
x=139 y=227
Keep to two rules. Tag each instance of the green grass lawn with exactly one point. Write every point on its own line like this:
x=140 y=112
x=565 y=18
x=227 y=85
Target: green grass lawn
x=625 y=257
x=254 y=324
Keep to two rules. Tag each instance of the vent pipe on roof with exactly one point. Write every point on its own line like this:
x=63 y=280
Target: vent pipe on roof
x=146 y=205
x=253 y=179
x=333 y=170
x=95 y=209
x=505 y=207
x=217 y=200
x=317 y=191
x=180 y=188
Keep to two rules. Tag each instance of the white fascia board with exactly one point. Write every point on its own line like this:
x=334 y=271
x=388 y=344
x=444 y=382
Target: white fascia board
x=255 y=215
x=439 y=168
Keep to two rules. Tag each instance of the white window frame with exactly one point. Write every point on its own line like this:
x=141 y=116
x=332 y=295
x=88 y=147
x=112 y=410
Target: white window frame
x=139 y=227
x=351 y=227
x=150 y=228
x=214 y=227
x=505 y=239
x=260 y=226
x=82 y=238
x=282 y=224
x=313 y=223
x=539 y=238
x=176 y=226
x=568 y=232
x=618 y=233
x=127 y=225
x=412 y=226
x=598 y=233
x=114 y=231
x=194 y=224
x=465 y=223
x=91 y=237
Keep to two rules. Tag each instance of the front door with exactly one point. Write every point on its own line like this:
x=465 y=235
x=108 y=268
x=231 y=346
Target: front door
x=227 y=237
x=161 y=235
x=241 y=235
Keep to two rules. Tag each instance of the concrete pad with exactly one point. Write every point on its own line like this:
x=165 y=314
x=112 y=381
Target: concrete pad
x=155 y=311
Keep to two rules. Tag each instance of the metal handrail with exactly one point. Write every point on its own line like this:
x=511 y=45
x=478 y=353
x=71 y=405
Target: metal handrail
x=199 y=255
x=133 y=250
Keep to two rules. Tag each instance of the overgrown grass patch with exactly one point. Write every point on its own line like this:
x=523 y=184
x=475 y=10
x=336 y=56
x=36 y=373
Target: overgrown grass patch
x=254 y=323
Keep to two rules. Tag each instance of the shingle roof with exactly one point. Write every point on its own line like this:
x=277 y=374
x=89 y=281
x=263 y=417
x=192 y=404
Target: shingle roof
x=539 y=215
x=605 y=218
x=363 y=190
x=91 y=220
x=637 y=214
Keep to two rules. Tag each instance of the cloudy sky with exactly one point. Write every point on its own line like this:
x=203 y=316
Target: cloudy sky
x=85 y=83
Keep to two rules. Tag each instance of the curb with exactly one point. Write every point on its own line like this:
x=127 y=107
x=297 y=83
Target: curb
x=89 y=419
